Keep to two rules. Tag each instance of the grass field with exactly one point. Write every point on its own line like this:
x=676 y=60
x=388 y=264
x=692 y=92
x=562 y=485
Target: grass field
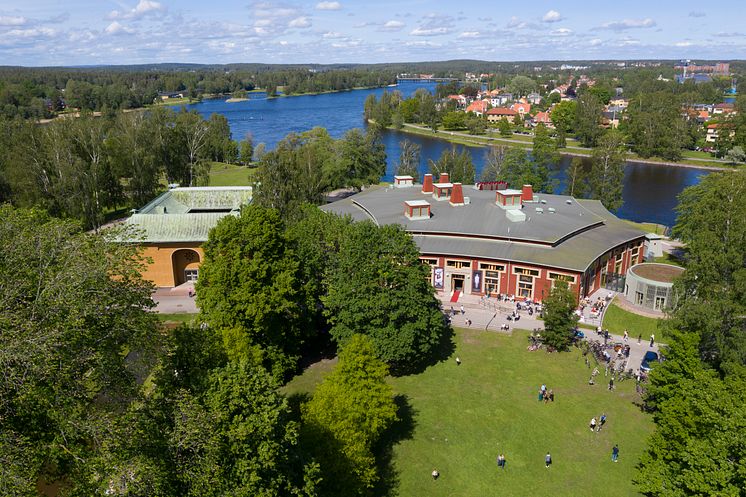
x=616 y=320
x=181 y=317
x=459 y=418
x=222 y=174
x=658 y=229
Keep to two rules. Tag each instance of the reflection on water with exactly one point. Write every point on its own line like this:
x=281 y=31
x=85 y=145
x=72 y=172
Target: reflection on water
x=649 y=190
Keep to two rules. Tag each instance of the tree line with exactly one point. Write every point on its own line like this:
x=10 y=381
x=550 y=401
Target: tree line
x=85 y=167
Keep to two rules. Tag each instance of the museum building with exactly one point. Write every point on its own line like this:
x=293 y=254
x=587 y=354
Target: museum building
x=172 y=228
x=503 y=241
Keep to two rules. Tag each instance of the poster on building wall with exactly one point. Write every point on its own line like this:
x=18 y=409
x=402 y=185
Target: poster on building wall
x=438 y=278
x=476 y=281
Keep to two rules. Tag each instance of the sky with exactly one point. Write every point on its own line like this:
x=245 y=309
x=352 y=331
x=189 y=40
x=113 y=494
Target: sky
x=77 y=32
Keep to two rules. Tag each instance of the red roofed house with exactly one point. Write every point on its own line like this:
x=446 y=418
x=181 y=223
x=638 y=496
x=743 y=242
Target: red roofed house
x=713 y=132
x=478 y=107
x=494 y=115
x=522 y=108
x=723 y=109
x=543 y=118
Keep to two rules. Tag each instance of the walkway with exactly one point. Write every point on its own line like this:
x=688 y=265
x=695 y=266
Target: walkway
x=175 y=300
x=490 y=314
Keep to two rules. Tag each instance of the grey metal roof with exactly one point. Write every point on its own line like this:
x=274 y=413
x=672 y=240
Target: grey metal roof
x=572 y=237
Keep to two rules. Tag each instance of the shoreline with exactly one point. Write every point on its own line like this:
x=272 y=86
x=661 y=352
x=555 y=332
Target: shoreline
x=460 y=138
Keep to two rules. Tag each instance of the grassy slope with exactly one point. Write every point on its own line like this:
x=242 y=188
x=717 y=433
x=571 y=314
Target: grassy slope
x=222 y=174
x=464 y=416
x=616 y=320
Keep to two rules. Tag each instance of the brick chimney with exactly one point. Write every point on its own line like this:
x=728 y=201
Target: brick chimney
x=527 y=195
x=457 y=195
x=427 y=183
x=443 y=178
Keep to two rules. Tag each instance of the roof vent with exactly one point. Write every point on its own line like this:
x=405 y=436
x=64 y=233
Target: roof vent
x=543 y=201
x=552 y=210
x=568 y=201
x=539 y=210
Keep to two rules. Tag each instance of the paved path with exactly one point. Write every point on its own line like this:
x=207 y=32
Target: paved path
x=174 y=300
x=490 y=314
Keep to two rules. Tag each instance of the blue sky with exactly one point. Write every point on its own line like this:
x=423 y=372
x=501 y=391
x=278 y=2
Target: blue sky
x=76 y=32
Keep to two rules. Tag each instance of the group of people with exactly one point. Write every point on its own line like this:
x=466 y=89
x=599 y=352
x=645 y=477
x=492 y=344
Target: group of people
x=545 y=395
x=597 y=425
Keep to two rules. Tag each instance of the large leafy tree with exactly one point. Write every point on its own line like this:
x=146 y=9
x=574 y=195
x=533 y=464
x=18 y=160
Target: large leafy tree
x=361 y=159
x=71 y=305
x=494 y=160
x=344 y=420
x=458 y=165
x=409 y=159
x=559 y=316
x=520 y=86
x=577 y=178
x=518 y=170
x=544 y=151
x=563 y=117
x=380 y=288
x=250 y=290
x=656 y=126
x=588 y=119
x=606 y=178
x=712 y=292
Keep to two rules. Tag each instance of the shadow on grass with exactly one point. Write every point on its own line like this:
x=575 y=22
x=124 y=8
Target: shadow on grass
x=295 y=401
x=402 y=429
x=442 y=351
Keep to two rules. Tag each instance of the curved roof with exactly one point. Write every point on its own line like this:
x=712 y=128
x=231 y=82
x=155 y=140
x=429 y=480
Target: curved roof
x=572 y=236
x=656 y=272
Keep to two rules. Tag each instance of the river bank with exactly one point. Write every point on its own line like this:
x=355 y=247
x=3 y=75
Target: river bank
x=460 y=138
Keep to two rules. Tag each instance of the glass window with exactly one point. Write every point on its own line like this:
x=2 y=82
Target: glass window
x=430 y=262
x=458 y=264
x=491 y=267
x=529 y=272
x=562 y=277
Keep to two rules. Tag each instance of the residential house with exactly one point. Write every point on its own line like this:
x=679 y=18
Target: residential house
x=533 y=98
x=723 y=109
x=478 y=107
x=713 y=132
x=521 y=108
x=620 y=102
x=498 y=113
x=459 y=99
x=542 y=118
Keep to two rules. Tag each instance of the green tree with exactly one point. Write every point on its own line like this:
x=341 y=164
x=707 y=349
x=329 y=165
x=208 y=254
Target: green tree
x=588 y=120
x=459 y=166
x=346 y=417
x=544 y=152
x=409 y=160
x=563 y=117
x=379 y=288
x=577 y=179
x=711 y=293
x=520 y=86
x=250 y=292
x=454 y=120
x=494 y=160
x=505 y=128
x=559 y=316
x=656 y=127
x=219 y=146
x=518 y=170
x=73 y=303
x=606 y=179
x=475 y=125
x=246 y=149
x=361 y=159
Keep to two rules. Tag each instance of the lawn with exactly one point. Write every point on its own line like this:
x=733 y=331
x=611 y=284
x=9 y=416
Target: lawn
x=658 y=229
x=181 y=317
x=461 y=417
x=222 y=174
x=616 y=320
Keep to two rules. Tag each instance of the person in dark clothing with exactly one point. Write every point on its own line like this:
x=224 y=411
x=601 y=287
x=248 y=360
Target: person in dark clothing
x=548 y=460
x=615 y=453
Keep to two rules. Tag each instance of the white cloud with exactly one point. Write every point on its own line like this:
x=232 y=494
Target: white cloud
x=12 y=21
x=332 y=35
x=392 y=26
x=30 y=33
x=328 y=6
x=142 y=9
x=470 y=34
x=695 y=13
x=595 y=42
x=683 y=44
x=429 y=31
x=300 y=22
x=628 y=24
x=562 y=32
x=115 y=28
x=552 y=16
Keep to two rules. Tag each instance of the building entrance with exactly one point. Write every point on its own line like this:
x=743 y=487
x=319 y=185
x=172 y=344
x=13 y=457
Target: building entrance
x=457 y=282
x=191 y=274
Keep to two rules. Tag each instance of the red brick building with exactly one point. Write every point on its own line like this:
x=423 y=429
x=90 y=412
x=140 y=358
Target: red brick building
x=512 y=242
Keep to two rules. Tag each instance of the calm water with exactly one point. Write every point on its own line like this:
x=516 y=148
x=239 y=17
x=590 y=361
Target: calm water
x=649 y=190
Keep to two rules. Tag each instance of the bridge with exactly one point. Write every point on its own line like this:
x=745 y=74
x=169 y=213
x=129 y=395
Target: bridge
x=407 y=79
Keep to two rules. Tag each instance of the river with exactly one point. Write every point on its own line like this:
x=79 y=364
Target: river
x=650 y=190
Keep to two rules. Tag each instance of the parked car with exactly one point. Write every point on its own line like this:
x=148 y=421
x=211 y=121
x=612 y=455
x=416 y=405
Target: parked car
x=648 y=360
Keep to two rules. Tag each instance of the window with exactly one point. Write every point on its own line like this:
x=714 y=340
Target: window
x=491 y=282
x=562 y=277
x=458 y=264
x=527 y=272
x=491 y=267
x=638 y=298
x=525 y=286
x=191 y=274
x=430 y=262
x=660 y=303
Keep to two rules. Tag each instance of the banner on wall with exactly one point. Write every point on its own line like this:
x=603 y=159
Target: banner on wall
x=476 y=281
x=438 y=278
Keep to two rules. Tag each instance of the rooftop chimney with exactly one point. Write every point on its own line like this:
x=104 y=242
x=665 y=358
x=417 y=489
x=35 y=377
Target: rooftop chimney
x=527 y=195
x=457 y=195
x=427 y=183
x=443 y=178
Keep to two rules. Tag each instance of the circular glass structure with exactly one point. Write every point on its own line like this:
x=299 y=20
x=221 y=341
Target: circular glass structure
x=650 y=285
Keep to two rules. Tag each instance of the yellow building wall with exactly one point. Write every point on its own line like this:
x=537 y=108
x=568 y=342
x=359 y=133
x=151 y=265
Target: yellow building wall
x=160 y=270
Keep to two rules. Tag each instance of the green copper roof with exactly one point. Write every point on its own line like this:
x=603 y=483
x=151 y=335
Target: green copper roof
x=186 y=214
